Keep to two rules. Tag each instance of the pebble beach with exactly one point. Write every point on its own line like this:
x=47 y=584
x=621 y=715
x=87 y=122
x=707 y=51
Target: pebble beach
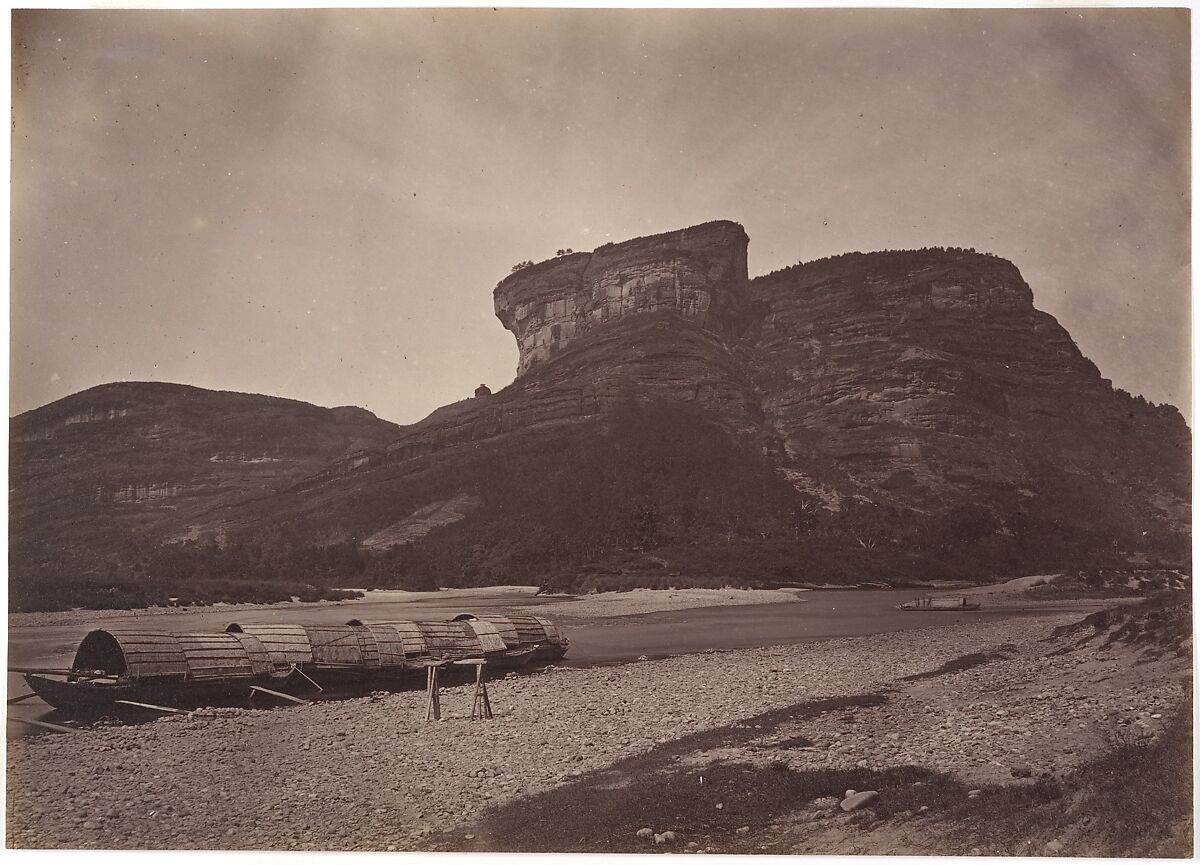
x=371 y=774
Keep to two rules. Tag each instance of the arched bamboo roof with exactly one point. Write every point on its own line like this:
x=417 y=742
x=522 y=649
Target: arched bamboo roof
x=253 y=650
x=157 y=655
x=286 y=645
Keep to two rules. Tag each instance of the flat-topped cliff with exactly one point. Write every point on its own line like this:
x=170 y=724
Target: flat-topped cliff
x=697 y=273
x=870 y=416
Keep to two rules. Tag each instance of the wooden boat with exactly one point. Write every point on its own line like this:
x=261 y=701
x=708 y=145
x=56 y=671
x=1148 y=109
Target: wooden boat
x=83 y=696
x=165 y=669
x=943 y=604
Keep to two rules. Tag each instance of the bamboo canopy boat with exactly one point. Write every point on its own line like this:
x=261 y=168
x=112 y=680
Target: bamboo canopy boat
x=929 y=604
x=138 y=666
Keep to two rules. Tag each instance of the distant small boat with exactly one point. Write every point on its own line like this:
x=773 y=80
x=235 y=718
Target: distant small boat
x=939 y=604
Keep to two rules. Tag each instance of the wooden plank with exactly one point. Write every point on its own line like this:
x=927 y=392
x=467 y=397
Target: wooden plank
x=131 y=634
x=433 y=702
x=161 y=669
x=481 y=705
x=166 y=709
x=12 y=701
x=222 y=673
x=288 y=697
x=125 y=637
x=305 y=675
x=91 y=674
x=42 y=725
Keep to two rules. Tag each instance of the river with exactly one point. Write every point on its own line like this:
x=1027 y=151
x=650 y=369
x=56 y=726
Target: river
x=816 y=615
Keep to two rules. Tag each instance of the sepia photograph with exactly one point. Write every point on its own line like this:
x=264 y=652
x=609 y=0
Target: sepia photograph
x=488 y=430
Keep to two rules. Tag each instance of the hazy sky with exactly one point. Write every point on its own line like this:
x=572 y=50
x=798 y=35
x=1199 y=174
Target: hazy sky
x=318 y=204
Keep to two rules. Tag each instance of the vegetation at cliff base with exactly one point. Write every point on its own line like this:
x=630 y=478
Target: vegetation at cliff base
x=652 y=494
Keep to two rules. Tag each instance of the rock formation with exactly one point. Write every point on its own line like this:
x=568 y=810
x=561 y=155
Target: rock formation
x=697 y=274
x=870 y=415
x=928 y=378
x=100 y=476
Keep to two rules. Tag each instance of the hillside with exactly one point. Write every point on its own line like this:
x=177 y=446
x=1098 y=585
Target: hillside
x=102 y=476
x=870 y=417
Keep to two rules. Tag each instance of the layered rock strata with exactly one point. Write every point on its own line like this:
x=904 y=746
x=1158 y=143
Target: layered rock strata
x=922 y=379
x=698 y=274
x=928 y=375
x=924 y=382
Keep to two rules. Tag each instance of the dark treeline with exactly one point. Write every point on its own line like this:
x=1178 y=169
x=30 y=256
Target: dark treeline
x=902 y=258
x=656 y=496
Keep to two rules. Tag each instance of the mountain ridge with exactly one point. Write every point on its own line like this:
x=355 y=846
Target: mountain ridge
x=863 y=416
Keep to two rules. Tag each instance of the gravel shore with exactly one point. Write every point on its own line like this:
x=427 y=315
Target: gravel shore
x=371 y=774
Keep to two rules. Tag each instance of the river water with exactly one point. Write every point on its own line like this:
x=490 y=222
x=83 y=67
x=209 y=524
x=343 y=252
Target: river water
x=816 y=615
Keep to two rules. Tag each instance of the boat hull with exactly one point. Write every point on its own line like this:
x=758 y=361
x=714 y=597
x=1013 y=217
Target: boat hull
x=968 y=608
x=113 y=667
x=912 y=608
x=82 y=697
x=89 y=697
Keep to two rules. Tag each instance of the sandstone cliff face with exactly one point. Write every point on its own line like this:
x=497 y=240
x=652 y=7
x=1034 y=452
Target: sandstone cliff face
x=698 y=274
x=929 y=378
x=656 y=317
x=134 y=462
x=922 y=380
x=917 y=402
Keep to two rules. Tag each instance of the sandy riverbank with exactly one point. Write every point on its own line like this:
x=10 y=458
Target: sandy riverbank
x=370 y=774
x=76 y=617
x=639 y=601
x=603 y=605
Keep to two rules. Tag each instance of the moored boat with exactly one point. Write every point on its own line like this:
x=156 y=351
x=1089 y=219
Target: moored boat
x=935 y=604
x=115 y=667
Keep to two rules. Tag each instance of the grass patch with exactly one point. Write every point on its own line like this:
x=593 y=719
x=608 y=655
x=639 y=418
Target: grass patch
x=963 y=662
x=1134 y=801
x=1159 y=625
x=587 y=817
x=948 y=798
x=1133 y=795
x=602 y=811
x=594 y=815
x=1064 y=590
x=762 y=724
